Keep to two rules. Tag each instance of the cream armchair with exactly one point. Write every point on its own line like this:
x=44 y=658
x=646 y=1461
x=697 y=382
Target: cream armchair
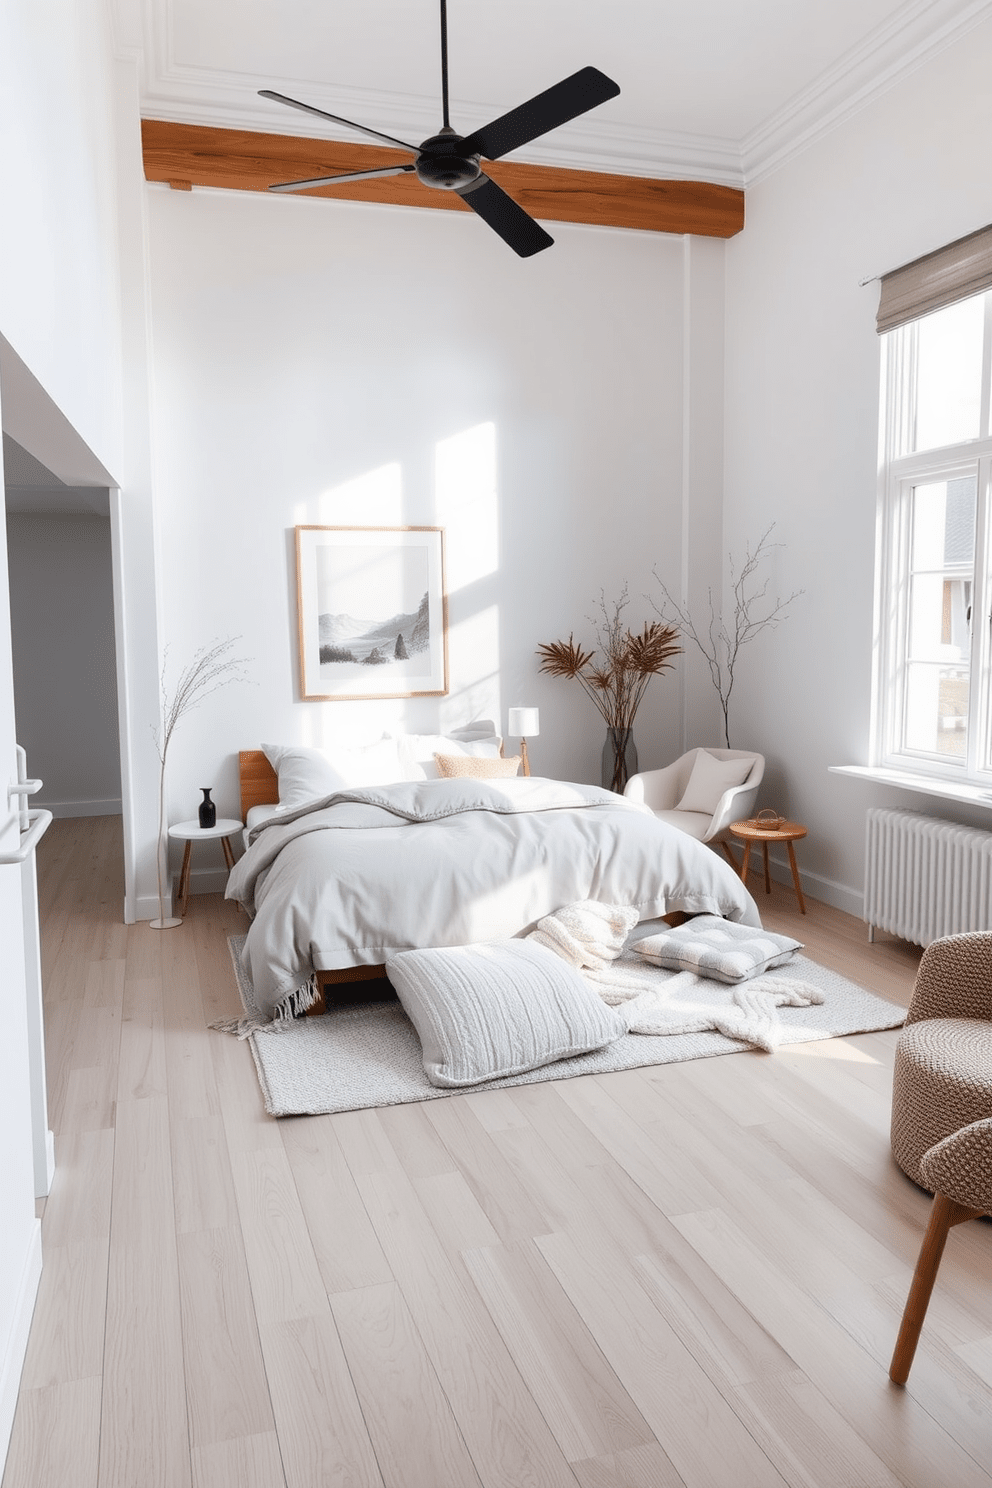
x=663 y=789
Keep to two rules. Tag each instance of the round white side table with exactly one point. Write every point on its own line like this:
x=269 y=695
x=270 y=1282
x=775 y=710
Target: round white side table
x=190 y=832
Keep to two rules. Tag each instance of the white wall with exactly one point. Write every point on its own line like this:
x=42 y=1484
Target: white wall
x=65 y=684
x=903 y=177
x=60 y=383
x=317 y=362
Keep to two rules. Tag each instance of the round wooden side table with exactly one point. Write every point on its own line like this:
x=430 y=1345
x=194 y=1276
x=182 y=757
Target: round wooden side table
x=190 y=832
x=751 y=832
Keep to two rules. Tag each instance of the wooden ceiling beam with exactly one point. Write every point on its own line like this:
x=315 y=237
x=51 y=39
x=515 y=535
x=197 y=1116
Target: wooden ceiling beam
x=241 y=160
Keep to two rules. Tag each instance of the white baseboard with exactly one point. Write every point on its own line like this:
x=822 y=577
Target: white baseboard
x=144 y=907
x=201 y=881
x=815 y=885
x=17 y=1342
x=208 y=880
x=83 y=808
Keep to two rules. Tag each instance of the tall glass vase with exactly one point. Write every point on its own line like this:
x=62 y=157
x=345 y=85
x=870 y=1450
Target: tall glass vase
x=619 y=759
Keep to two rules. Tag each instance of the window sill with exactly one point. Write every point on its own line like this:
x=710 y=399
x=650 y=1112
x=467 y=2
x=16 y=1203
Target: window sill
x=925 y=785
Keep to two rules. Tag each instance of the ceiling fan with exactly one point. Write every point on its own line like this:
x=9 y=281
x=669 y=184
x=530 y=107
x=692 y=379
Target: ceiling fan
x=449 y=161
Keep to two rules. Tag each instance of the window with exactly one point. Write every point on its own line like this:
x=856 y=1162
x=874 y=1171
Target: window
x=933 y=706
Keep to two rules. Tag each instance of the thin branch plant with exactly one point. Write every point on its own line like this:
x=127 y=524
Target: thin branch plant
x=212 y=668
x=754 y=610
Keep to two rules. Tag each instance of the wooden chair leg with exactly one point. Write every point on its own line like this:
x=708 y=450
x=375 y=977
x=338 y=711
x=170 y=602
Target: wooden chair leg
x=945 y=1213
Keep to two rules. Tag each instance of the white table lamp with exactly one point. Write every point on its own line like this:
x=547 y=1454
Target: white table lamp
x=521 y=722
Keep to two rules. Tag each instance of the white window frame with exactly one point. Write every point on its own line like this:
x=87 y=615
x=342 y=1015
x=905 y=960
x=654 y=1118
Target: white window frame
x=899 y=472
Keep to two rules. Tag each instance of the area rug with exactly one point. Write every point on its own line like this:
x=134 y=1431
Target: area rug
x=369 y=1055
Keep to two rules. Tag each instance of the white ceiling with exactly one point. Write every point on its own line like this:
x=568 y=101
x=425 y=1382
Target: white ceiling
x=714 y=89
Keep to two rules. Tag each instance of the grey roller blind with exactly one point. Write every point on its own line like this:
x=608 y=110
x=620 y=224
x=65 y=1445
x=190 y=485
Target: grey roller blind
x=953 y=273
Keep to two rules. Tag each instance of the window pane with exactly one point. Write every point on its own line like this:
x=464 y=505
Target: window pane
x=949 y=374
x=937 y=709
x=944 y=524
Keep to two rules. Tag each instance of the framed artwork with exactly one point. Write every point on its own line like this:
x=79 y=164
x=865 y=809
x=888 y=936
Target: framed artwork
x=373 y=613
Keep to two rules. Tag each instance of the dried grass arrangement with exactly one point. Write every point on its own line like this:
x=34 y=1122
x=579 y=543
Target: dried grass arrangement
x=617 y=682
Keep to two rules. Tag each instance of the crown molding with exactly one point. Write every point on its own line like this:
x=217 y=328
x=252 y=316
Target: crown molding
x=223 y=100
x=217 y=98
x=917 y=32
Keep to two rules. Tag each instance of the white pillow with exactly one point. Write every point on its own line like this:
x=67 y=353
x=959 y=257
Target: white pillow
x=483 y=1012
x=709 y=779
x=306 y=774
x=717 y=948
x=417 y=752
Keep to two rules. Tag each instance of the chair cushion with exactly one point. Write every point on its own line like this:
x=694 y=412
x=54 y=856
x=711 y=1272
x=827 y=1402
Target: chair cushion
x=695 y=823
x=710 y=778
x=941 y=1081
x=717 y=948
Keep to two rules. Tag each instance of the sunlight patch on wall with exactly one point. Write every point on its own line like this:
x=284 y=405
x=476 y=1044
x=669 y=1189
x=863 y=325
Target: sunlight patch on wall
x=473 y=669
x=373 y=499
x=466 y=504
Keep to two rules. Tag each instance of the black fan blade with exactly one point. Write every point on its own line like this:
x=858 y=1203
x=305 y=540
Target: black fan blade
x=505 y=217
x=308 y=108
x=566 y=100
x=387 y=170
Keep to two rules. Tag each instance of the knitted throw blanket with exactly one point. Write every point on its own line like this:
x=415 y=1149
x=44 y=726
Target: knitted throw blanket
x=591 y=938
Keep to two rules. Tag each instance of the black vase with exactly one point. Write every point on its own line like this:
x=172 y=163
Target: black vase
x=619 y=759
x=208 y=811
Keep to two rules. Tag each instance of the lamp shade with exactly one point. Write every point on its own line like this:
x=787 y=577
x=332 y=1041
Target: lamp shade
x=523 y=723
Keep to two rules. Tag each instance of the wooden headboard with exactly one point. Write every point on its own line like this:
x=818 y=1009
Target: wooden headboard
x=259 y=782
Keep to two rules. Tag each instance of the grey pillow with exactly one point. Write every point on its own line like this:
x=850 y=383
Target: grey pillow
x=717 y=948
x=485 y=1011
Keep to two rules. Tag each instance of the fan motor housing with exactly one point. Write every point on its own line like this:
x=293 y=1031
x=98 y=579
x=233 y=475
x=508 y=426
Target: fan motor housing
x=444 y=164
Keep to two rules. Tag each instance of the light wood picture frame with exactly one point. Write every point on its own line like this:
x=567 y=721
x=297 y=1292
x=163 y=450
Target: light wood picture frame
x=373 y=612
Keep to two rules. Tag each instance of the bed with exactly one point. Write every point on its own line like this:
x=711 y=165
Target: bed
x=340 y=882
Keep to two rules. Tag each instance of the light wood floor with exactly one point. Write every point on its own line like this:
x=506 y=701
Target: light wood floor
x=690 y=1274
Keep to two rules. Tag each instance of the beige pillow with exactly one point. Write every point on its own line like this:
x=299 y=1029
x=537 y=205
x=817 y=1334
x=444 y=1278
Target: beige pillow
x=451 y=765
x=709 y=779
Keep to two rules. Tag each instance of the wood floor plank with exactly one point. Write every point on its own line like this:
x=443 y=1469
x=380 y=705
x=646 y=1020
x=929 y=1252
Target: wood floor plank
x=414 y=1435
x=226 y=1389
x=637 y=1467
x=345 y=1243
x=503 y=1428
x=707 y=1443
x=285 y=1280
x=142 y=1069
x=910 y=1442
x=579 y=1395
x=67 y=1343
x=79 y=1205
x=144 y=1433
x=806 y=1437
x=202 y=1179
x=56 y=1437
x=323 y=1438
x=244 y=1462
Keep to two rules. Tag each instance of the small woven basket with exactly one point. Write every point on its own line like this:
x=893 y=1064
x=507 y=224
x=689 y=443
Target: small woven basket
x=768 y=820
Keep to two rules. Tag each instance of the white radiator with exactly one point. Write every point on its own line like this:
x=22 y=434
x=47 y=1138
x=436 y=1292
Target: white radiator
x=925 y=878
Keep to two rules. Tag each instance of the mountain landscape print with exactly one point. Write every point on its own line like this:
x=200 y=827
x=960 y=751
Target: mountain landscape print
x=344 y=638
x=372 y=611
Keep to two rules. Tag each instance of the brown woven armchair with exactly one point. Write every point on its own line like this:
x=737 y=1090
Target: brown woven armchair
x=942 y=1076
x=959 y=1170
x=942 y=1106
